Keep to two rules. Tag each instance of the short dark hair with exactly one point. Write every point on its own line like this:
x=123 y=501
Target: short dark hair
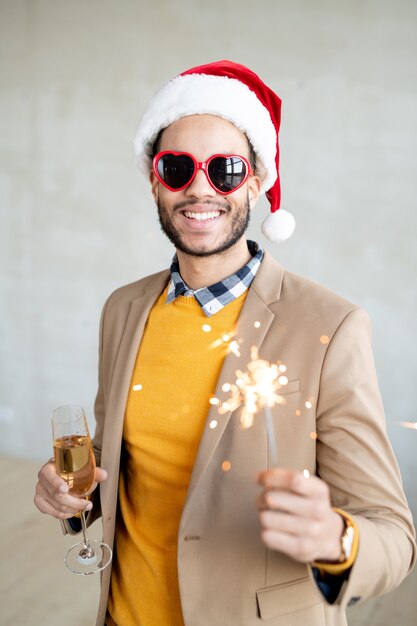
x=155 y=148
x=157 y=145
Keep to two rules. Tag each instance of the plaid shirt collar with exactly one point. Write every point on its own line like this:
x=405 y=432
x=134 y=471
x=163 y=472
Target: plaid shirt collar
x=212 y=299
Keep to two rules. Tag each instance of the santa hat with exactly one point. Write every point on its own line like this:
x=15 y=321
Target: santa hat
x=237 y=94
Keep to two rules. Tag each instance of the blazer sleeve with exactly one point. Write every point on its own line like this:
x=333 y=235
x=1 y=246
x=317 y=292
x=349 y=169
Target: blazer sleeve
x=355 y=458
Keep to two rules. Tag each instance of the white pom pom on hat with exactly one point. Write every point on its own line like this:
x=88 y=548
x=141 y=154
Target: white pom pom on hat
x=278 y=226
x=235 y=93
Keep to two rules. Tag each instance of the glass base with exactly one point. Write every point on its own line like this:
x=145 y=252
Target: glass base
x=84 y=560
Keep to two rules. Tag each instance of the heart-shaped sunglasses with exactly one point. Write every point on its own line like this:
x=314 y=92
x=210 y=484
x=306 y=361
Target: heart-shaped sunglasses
x=177 y=170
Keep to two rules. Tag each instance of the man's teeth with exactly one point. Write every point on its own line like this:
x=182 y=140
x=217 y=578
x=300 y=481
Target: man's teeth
x=202 y=216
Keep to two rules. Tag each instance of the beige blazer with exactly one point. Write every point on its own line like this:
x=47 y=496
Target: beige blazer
x=227 y=576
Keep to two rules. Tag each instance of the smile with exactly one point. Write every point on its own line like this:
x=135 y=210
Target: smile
x=202 y=217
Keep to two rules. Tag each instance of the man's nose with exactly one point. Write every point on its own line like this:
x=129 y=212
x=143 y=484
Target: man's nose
x=200 y=186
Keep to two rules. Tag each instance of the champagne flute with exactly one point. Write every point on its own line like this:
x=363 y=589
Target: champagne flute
x=75 y=463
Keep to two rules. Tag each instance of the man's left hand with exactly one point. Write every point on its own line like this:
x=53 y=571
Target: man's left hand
x=296 y=516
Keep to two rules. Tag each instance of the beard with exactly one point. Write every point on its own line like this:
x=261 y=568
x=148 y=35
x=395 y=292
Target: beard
x=238 y=227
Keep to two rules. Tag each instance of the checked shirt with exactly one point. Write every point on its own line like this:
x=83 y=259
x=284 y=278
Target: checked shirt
x=212 y=299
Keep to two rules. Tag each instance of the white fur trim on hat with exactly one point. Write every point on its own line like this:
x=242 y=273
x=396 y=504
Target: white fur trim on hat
x=278 y=226
x=228 y=98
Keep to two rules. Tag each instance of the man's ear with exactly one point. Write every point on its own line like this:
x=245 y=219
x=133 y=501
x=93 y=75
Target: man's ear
x=254 y=188
x=154 y=185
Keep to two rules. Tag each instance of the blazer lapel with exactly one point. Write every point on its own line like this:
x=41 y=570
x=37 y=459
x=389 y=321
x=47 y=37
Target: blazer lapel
x=120 y=380
x=254 y=322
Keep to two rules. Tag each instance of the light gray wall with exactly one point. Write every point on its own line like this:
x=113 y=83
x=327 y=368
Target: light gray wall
x=77 y=219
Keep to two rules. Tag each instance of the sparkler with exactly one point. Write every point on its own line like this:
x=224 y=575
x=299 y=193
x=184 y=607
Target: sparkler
x=257 y=388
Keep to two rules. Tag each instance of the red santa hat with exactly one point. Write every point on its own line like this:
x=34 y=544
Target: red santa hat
x=235 y=93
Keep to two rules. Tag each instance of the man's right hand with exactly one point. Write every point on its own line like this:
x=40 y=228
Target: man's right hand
x=52 y=495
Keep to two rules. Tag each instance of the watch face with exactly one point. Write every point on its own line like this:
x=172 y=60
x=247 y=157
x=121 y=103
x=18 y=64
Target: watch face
x=347 y=541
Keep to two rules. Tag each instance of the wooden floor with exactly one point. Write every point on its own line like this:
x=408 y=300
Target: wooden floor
x=37 y=590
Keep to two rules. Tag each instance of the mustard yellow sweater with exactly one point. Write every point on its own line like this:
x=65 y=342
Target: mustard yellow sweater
x=176 y=372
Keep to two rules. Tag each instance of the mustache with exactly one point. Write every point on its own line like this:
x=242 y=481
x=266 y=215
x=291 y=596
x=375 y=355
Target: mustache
x=215 y=204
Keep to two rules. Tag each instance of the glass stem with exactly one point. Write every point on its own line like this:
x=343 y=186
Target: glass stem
x=84 y=529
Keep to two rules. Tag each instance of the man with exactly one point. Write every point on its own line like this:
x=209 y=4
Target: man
x=196 y=540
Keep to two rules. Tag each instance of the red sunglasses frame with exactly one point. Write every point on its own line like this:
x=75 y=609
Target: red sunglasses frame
x=200 y=165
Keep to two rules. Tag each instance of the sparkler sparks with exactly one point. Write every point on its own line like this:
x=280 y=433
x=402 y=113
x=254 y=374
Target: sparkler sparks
x=257 y=388
x=225 y=340
x=412 y=425
x=234 y=347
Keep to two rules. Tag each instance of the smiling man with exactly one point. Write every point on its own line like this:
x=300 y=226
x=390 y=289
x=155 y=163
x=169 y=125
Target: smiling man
x=205 y=532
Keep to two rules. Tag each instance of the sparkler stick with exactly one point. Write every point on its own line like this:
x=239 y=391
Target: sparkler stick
x=271 y=436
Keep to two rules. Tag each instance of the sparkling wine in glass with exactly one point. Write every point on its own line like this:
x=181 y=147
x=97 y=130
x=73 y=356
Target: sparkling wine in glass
x=75 y=463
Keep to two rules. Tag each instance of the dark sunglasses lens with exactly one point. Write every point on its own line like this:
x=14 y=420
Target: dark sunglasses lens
x=175 y=170
x=226 y=173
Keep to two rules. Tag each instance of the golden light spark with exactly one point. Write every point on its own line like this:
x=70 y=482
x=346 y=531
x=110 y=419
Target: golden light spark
x=257 y=324
x=214 y=401
x=306 y=473
x=308 y=404
x=226 y=466
x=298 y=412
x=234 y=347
x=206 y=328
x=412 y=425
x=324 y=339
x=225 y=407
x=213 y=424
x=313 y=435
x=137 y=387
x=224 y=340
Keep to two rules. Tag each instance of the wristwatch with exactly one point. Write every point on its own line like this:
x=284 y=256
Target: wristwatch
x=348 y=541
